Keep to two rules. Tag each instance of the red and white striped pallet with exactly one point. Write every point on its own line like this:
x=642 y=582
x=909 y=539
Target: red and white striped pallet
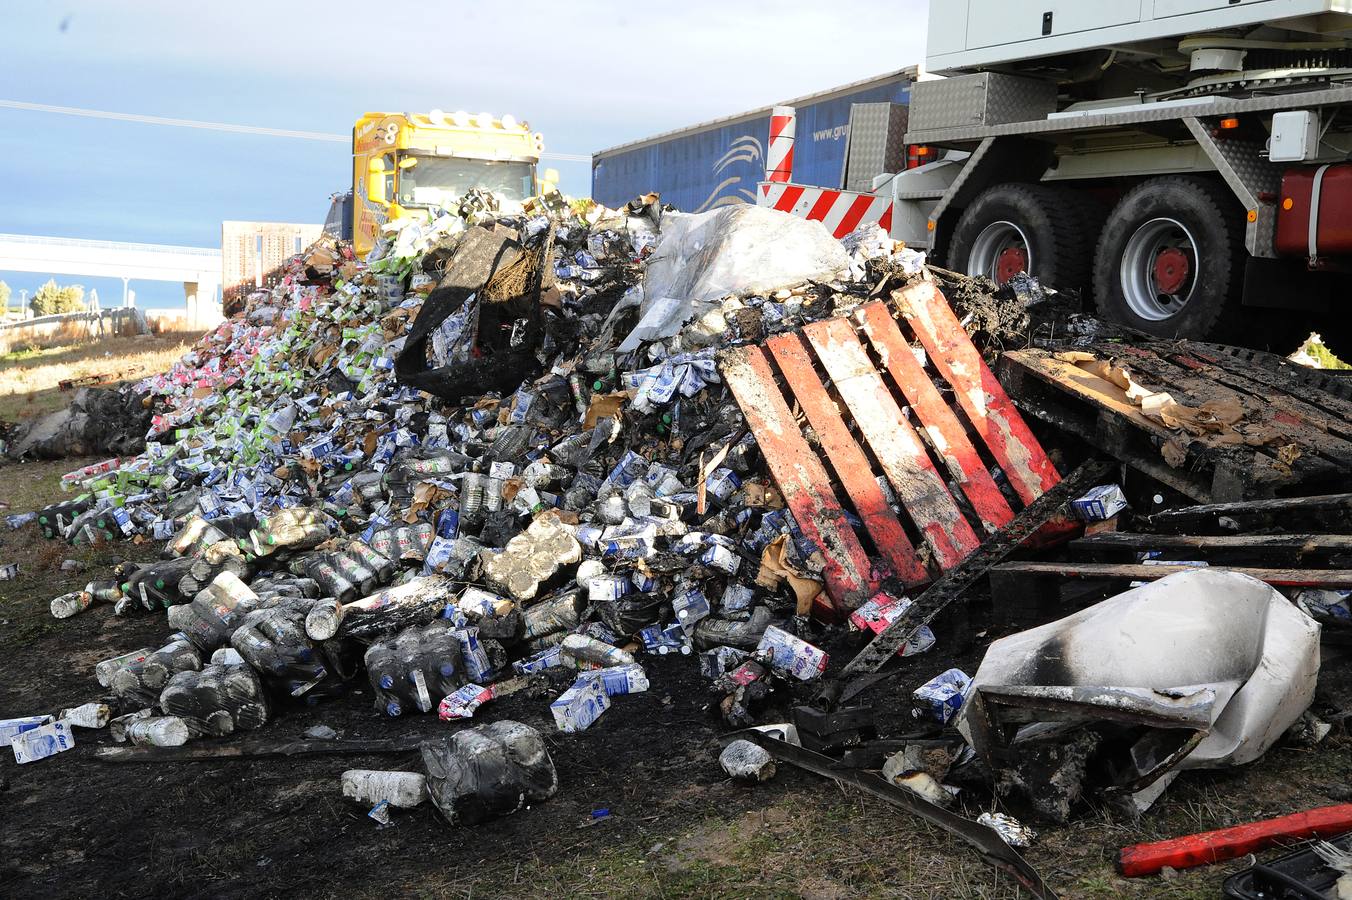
x=840 y=211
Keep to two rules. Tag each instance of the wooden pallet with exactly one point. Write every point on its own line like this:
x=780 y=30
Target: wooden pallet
x=870 y=409
x=1295 y=436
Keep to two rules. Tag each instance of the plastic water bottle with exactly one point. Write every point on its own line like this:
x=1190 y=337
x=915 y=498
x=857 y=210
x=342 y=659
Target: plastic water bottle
x=383 y=671
x=382 y=565
x=174 y=657
x=87 y=715
x=67 y=605
x=582 y=648
x=408 y=655
x=106 y=669
x=323 y=619
x=442 y=657
x=331 y=581
x=159 y=731
x=368 y=786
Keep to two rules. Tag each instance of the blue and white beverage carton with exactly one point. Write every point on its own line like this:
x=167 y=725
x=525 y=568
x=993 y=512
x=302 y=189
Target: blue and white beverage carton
x=737 y=597
x=463 y=702
x=589 y=535
x=791 y=654
x=721 y=484
x=881 y=611
x=661 y=641
x=579 y=706
x=619 y=680
x=549 y=658
x=602 y=588
x=475 y=656
x=690 y=606
x=721 y=558
x=42 y=742
x=721 y=660
x=476 y=603
x=942 y=696
x=643 y=582
x=12 y=728
x=1100 y=504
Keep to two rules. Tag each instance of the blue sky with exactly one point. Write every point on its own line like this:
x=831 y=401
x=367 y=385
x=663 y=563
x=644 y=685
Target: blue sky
x=586 y=73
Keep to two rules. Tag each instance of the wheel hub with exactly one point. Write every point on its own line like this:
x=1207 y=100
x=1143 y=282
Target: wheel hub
x=1012 y=261
x=1159 y=267
x=1171 y=270
x=1000 y=252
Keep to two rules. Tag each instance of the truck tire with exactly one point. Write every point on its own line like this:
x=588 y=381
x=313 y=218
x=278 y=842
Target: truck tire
x=1169 y=261
x=1045 y=231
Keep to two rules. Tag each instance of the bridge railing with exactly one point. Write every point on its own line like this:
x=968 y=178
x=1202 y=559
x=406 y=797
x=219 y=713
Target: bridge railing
x=127 y=246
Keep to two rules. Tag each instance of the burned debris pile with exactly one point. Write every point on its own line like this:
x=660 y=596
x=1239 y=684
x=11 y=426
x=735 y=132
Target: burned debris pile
x=529 y=451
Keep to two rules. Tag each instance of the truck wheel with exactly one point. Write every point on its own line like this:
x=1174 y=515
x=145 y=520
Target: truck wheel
x=1168 y=262
x=1031 y=228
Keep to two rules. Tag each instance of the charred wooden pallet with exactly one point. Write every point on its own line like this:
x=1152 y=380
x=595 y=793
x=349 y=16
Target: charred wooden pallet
x=70 y=384
x=1295 y=435
x=846 y=406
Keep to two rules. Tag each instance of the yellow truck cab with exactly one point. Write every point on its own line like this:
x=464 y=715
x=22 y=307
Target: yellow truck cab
x=402 y=162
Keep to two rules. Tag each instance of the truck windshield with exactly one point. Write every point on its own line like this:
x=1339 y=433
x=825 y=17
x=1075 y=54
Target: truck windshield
x=442 y=181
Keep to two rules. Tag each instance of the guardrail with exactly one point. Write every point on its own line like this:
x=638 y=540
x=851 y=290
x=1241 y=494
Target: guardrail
x=72 y=328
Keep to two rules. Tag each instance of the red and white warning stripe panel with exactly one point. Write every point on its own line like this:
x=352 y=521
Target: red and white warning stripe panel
x=779 y=157
x=840 y=211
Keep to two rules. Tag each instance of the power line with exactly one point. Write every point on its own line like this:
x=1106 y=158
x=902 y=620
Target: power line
x=217 y=126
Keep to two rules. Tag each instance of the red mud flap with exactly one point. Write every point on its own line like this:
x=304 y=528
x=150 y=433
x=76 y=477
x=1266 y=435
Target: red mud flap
x=875 y=412
x=1229 y=843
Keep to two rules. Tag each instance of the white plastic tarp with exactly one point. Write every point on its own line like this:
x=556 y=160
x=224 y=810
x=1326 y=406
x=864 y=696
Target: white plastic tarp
x=1204 y=634
x=738 y=250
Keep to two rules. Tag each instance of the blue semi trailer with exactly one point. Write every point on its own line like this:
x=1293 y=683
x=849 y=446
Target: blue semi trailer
x=719 y=163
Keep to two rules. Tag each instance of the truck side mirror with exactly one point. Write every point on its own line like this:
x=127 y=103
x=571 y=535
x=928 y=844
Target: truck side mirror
x=375 y=182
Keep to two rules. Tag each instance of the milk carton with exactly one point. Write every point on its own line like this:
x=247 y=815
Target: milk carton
x=791 y=654
x=42 y=742
x=580 y=705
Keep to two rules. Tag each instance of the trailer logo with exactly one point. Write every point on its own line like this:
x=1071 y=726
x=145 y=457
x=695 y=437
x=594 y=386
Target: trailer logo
x=746 y=149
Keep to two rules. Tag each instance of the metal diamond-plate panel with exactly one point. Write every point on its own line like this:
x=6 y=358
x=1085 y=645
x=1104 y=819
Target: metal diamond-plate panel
x=1250 y=176
x=924 y=133
x=877 y=143
x=980 y=100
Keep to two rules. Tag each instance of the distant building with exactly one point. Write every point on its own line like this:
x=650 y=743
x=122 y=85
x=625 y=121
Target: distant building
x=252 y=254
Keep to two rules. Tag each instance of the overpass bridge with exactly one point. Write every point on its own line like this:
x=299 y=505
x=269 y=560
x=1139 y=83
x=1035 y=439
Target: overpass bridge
x=198 y=268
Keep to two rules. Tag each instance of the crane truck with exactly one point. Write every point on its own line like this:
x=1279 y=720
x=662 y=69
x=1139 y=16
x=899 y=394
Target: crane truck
x=407 y=163
x=1183 y=162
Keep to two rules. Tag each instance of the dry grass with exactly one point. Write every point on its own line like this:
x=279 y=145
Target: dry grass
x=29 y=378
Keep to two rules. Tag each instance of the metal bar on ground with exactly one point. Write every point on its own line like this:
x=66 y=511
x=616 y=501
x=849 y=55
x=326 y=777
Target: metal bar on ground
x=255 y=750
x=946 y=433
x=799 y=475
x=918 y=484
x=987 y=841
x=1320 y=503
x=847 y=459
x=980 y=395
x=956 y=580
x=1301 y=544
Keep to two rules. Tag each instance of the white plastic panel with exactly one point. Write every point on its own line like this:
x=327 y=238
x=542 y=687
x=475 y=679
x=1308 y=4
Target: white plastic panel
x=993 y=22
x=948 y=26
x=999 y=32
x=1166 y=8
